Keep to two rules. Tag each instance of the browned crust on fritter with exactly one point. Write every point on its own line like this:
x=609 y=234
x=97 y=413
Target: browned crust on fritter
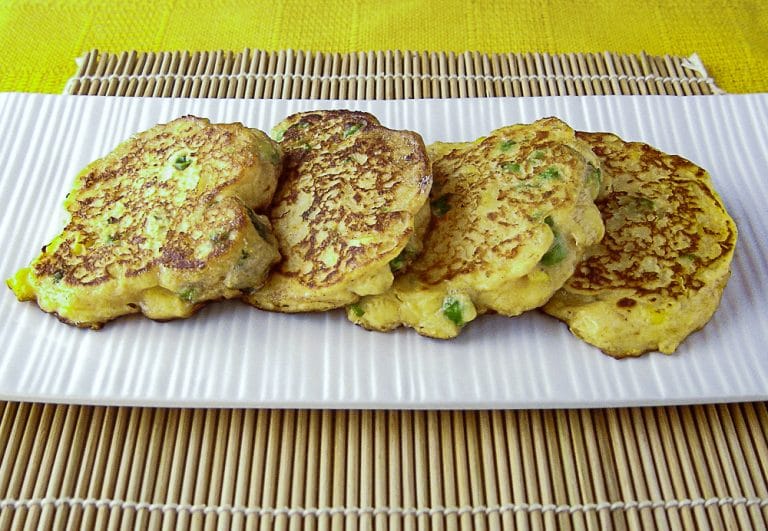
x=522 y=198
x=352 y=167
x=113 y=179
x=670 y=238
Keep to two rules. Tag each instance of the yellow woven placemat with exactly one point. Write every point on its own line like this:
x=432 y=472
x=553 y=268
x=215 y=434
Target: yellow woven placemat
x=39 y=38
x=683 y=467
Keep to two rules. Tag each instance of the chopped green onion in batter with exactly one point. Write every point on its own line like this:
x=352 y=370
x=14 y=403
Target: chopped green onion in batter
x=452 y=311
x=182 y=162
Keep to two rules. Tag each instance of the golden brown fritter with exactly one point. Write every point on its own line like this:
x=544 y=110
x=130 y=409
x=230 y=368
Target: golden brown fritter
x=160 y=225
x=347 y=206
x=660 y=271
x=512 y=214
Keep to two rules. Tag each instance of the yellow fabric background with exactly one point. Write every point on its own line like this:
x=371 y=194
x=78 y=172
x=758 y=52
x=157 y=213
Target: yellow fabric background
x=40 y=39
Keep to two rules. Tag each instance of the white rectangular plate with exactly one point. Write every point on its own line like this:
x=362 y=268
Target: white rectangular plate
x=232 y=355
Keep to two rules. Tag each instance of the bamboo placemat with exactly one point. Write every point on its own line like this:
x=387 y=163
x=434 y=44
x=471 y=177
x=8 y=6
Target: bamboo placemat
x=384 y=74
x=683 y=467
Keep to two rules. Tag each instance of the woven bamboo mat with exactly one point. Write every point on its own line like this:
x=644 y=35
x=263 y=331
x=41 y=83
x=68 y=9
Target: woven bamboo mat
x=684 y=467
x=384 y=75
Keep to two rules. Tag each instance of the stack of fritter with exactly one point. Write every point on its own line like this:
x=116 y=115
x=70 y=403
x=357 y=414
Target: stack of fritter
x=630 y=246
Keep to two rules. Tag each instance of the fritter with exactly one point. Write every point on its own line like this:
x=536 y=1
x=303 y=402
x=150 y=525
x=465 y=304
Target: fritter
x=165 y=222
x=512 y=214
x=660 y=271
x=347 y=205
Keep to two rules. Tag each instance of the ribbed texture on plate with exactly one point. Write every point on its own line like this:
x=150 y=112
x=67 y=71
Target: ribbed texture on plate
x=233 y=355
x=692 y=467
